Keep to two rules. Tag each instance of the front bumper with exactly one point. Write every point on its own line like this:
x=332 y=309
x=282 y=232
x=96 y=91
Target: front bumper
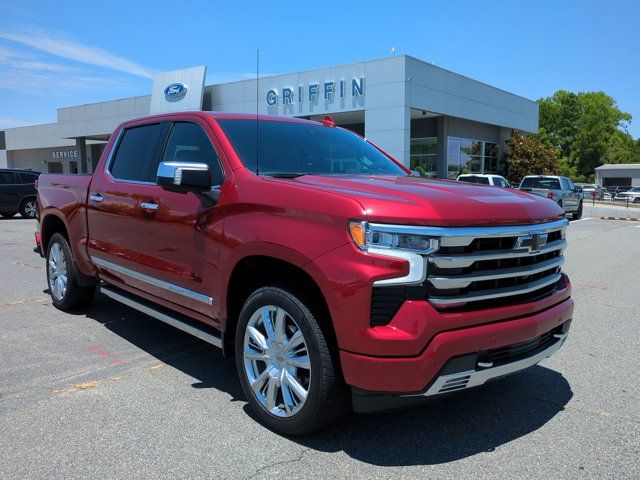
x=427 y=373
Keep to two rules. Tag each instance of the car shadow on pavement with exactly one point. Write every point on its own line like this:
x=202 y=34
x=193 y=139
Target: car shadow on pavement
x=440 y=431
x=196 y=358
x=452 y=428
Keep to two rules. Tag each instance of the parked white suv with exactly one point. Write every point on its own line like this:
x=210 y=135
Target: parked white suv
x=633 y=194
x=485 y=179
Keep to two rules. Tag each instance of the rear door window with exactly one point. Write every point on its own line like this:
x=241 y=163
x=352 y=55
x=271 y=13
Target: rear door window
x=7 y=178
x=135 y=153
x=27 y=177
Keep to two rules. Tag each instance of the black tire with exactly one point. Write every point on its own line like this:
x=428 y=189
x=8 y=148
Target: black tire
x=8 y=215
x=636 y=200
x=327 y=398
x=74 y=296
x=28 y=208
x=578 y=214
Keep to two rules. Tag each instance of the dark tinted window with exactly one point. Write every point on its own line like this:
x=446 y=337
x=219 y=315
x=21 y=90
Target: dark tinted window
x=135 y=153
x=28 y=177
x=535 y=182
x=188 y=142
x=7 y=178
x=482 y=180
x=289 y=147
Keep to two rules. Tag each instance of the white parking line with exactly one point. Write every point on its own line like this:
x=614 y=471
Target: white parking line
x=586 y=218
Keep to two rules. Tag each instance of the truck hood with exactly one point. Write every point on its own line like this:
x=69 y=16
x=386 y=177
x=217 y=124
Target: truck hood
x=421 y=201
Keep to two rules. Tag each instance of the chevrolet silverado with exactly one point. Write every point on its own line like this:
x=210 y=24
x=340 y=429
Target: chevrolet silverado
x=336 y=278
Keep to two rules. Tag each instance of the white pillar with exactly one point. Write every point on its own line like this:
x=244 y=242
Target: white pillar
x=390 y=129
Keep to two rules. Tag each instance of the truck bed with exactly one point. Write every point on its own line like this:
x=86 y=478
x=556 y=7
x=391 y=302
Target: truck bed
x=65 y=197
x=62 y=190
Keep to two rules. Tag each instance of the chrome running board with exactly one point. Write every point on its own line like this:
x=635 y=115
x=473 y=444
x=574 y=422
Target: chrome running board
x=146 y=308
x=473 y=378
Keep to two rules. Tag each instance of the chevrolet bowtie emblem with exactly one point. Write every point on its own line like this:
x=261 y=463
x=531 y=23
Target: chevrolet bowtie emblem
x=532 y=242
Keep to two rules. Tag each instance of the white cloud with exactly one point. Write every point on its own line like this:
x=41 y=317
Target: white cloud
x=15 y=60
x=27 y=73
x=51 y=83
x=61 y=47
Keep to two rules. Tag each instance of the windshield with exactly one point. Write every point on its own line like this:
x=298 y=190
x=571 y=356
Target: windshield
x=537 y=182
x=302 y=148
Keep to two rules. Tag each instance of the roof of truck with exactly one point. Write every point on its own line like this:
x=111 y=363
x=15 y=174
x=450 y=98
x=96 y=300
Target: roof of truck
x=253 y=116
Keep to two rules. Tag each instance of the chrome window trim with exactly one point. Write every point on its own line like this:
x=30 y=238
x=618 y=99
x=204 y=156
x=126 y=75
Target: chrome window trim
x=170 y=287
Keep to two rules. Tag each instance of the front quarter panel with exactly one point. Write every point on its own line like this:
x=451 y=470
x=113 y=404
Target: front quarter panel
x=279 y=219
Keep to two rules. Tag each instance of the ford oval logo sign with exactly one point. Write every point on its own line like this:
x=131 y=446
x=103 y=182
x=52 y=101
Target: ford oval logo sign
x=175 y=91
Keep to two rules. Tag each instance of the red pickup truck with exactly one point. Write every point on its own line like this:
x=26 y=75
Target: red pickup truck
x=335 y=277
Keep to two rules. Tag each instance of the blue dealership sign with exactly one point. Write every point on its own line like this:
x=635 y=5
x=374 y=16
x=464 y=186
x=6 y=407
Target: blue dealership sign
x=175 y=91
x=327 y=91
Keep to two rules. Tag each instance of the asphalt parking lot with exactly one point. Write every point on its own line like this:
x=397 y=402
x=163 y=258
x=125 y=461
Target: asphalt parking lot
x=112 y=393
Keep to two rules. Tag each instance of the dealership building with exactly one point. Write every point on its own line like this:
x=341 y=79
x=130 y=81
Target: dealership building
x=618 y=175
x=433 y=120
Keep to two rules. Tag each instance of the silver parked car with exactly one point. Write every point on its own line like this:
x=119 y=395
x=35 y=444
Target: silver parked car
x=591 y=190
x=559 y=189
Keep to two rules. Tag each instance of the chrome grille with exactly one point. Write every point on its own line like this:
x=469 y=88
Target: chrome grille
x=475 y=265
x=478 y=267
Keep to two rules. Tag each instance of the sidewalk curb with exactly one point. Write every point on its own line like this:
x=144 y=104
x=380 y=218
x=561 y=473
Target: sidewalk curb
x=631 y=219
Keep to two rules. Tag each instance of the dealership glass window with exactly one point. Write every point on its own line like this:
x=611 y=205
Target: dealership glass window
x=471 y=156
x=423 y=156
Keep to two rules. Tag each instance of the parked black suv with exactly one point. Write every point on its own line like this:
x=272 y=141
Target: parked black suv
x=18 y=192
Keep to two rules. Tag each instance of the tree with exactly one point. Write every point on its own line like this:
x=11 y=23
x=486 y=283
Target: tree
x=530 y=155
x=621 y=148
x=583 y=126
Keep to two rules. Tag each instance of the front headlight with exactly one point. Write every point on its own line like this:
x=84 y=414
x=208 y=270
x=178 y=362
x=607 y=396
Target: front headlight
x=392 y=237
x=396 y=241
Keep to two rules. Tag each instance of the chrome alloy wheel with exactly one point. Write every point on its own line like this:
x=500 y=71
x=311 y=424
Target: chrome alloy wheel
x=30 y=208
x=57 y=268
x=276 y=361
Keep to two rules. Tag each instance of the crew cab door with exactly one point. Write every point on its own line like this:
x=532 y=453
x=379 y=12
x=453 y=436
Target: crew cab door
x=181 y=230
x=113 y=204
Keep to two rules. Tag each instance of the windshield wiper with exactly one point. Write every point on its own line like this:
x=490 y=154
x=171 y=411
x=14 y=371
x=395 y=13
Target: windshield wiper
x=284 y=174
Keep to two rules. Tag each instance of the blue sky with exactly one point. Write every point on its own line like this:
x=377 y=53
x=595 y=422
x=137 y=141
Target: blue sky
x=61 y=53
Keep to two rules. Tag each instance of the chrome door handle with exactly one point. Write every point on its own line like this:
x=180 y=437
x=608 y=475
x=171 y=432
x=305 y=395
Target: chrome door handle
x=149 y=206
x=96 y=197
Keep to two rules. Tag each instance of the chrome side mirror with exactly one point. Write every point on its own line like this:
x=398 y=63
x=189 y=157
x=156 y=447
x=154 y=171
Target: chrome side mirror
x=184 y=174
